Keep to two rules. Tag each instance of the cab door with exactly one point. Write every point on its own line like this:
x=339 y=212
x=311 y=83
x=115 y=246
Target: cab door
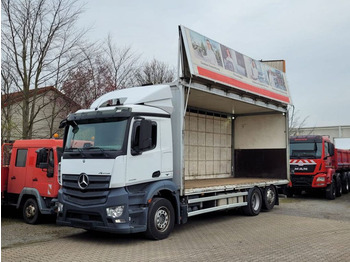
x=144 y=157
x=18 y=170
x=43 y=175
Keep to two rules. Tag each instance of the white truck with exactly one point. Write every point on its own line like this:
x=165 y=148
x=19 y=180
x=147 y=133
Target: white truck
x=142 y=159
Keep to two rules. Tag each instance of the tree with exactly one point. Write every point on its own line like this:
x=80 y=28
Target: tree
x=40 y=46
x=122 y=63
x=296 y=123
x=89 y=81
x=155 y=72
x=106 y=68
x=7 y=124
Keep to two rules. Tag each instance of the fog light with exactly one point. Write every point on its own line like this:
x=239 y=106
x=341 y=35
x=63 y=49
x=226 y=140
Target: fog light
x=59 y=207
x=321 y=179
x=119 y=221
x=115 y=212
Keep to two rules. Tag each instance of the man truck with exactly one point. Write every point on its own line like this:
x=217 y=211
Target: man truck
x=317 y=165
x=142 y=159
x=29 y=180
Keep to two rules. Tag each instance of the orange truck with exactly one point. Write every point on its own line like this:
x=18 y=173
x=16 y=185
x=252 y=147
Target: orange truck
x=29 y=170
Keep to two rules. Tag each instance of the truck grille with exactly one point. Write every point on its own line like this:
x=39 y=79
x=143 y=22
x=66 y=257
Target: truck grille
x=94 y=194
x=302 y=181
x=302 y=169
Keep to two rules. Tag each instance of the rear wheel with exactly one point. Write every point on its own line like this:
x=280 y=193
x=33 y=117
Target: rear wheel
x=269 y=197
x=346 y=183
x=161 y=219
x=339 y=187
x=254 y=200
x=330 y=190
x=31 y=212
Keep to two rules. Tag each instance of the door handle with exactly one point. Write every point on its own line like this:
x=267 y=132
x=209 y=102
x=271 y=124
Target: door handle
x=35 y=179
x=13 y=177
x=156 y=174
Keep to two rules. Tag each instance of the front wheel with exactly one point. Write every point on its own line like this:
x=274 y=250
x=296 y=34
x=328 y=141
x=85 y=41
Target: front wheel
x=330 y=191
x=31 y=212
x=161 y=219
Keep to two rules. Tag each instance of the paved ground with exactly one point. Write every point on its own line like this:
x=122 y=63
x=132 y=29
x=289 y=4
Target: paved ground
x=306 y=228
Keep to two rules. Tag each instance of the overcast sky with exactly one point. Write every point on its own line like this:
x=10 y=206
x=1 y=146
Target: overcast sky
x=313 y=36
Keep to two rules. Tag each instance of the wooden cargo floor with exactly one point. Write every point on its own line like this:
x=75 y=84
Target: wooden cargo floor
x=205 y=185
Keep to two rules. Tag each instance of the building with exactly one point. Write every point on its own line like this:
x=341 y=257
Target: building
x=50 y=108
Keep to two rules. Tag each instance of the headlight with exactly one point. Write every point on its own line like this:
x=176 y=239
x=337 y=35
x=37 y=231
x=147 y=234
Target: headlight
x=321 y=179
x=115 y=212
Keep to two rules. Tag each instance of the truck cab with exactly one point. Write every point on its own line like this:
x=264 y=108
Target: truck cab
x=312 y=165
x=116 y=156
x=29 y=176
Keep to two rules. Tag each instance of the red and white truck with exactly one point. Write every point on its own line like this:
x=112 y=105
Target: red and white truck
x=29 y=180
x=317 y=165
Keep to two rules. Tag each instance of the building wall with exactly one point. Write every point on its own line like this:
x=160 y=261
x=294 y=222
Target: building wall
x=337 y=134
x=47 y=105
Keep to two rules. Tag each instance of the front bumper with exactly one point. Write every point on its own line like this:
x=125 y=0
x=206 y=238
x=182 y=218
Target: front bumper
x=308 y=181
x=94 y=217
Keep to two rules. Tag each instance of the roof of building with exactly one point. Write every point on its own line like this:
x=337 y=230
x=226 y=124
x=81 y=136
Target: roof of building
x=16 y=97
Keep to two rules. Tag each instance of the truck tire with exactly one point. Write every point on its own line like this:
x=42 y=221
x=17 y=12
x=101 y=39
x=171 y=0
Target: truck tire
x=269 y=197
x=254 y=201
x=339 y=187
x=346 y=183
x=161 y=219
x=31 y=212
x=330 y=190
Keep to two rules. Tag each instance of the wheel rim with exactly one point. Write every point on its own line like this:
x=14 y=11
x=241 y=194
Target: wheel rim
x=30 y=211
x=270 y=196
x=255 y=201
x=161 y=219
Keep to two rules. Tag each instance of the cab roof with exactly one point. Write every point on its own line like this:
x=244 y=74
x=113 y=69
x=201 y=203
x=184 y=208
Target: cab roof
x=38 y=143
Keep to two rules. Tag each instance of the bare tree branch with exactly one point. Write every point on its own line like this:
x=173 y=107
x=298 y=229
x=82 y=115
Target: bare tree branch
x=41 y=45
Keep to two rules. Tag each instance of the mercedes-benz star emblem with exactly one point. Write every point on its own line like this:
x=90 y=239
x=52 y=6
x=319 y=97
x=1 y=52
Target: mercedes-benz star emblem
x=83 y=181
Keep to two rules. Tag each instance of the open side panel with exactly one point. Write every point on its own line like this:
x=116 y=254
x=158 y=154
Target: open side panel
x=207 y=145
x=260 y=146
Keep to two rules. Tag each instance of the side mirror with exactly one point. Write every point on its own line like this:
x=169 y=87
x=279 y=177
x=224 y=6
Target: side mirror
x=331 y=149
x=42 y=158
x=63 y=123
x=145 y=135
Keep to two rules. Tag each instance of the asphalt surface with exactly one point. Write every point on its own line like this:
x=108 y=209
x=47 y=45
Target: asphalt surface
x=304 y=228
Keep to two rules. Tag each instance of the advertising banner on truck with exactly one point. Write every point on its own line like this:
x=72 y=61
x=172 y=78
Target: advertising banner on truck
x=211 y=60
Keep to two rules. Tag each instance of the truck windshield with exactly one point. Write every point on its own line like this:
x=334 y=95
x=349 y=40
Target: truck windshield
x=305 y=150
x=92 y=135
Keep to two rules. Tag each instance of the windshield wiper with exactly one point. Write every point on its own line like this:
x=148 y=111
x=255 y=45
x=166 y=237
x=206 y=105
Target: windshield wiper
x=81 y=152
x=72 y=151
x=99 y=148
